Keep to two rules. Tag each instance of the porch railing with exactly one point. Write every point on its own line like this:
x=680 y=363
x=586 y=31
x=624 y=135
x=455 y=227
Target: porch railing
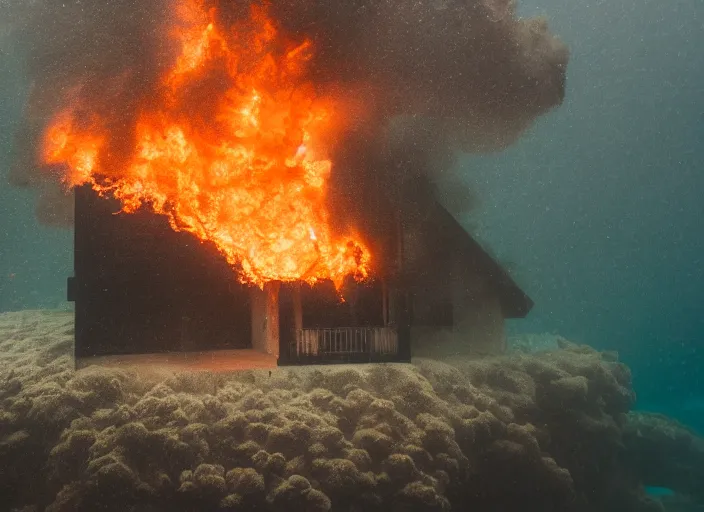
x=346 y=341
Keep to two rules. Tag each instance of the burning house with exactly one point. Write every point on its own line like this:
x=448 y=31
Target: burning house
x=141 y=287
x=238 y=179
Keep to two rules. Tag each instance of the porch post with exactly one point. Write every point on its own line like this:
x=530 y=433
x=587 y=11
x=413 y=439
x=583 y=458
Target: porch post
x=272 y=318
x=265 y=319
x=385 y=302
x=297 y=307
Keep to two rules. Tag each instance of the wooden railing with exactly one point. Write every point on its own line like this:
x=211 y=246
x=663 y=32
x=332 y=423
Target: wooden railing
x=342 y=341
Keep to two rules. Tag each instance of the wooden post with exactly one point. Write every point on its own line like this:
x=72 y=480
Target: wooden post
x=399 y=245
x=272 y=318
x=265 y=319
x=297 y=307
x=258 y=315
x=385 y=302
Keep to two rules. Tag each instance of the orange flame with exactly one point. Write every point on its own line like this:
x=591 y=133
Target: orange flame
x=246 y=172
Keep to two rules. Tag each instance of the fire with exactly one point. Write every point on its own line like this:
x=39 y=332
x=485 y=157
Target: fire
x=239 y=163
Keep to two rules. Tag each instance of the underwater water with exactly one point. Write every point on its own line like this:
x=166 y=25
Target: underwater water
x=600 y=207
x=597 y=211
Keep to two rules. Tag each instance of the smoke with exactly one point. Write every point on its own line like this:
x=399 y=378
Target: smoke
x=433 y=78
x=444 y=76
x=90 y=52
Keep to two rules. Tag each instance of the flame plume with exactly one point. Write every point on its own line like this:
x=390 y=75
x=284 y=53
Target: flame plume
x=228 y=146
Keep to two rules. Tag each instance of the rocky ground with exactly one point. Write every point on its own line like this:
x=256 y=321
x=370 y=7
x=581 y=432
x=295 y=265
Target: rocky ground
x=543 y=432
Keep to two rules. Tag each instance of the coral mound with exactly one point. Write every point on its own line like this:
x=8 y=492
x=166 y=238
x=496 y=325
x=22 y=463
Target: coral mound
x=542 y=432
x=663 y=453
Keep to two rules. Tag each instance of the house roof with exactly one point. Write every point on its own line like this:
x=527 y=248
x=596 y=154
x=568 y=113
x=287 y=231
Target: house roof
x=515 y=303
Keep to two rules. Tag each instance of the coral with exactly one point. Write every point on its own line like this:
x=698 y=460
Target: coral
x=664 y=453
x=418 y=496
x=296 y=493
x=549 y=431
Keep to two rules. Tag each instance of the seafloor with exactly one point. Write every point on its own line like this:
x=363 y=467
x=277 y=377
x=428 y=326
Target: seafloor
x=525 y=432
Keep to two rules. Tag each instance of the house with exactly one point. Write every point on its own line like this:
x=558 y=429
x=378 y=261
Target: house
x=460 y=296
x=140 y=287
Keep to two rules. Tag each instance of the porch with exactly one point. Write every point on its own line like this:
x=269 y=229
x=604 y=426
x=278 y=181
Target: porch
x=345 y=344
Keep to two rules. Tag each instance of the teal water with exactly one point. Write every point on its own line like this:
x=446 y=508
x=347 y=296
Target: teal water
x=598 y=210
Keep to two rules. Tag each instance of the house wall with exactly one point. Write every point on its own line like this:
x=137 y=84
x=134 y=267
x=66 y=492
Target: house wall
x=478 y=326
x=478 y=330
x=141 y=287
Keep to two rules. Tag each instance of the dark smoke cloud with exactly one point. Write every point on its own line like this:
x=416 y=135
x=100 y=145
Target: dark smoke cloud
x=436 y=76
x=444 y=75
x=102 y=54
x=470 y=64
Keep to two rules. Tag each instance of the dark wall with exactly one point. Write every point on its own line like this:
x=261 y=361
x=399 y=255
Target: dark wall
x=141 y=287
x=358 y=304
